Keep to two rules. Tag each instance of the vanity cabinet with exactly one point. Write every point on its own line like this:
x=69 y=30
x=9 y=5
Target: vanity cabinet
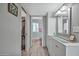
x=50 y=46
x=60 y=49
x=55 y=48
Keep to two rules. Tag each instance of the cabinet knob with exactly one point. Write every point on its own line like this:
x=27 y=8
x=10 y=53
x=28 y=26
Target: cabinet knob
x=57 y=46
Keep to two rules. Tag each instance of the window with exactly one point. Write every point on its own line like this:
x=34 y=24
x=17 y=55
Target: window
x=35 y=27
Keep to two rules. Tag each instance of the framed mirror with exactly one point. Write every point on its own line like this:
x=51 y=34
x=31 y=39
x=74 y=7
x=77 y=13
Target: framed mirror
x=63 y=20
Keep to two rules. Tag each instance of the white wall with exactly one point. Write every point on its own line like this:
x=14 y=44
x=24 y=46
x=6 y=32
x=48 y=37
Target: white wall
x=28 y=31
x=51 y=26
x=75 y=18
x=45 y=30
x=60 y=25
x=10 y=31
x=51 y=29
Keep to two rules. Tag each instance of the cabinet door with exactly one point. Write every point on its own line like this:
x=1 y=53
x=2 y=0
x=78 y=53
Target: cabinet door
x=48 y=44
x=60 y=49
x=51 y=46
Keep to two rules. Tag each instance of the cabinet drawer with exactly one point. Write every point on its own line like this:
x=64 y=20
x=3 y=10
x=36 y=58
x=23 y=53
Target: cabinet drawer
x=60 y=49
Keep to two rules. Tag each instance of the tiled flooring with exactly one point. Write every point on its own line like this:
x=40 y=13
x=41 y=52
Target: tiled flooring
x=36 y=50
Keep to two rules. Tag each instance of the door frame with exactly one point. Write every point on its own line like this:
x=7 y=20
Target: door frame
x=22 y=9
x=31 y=30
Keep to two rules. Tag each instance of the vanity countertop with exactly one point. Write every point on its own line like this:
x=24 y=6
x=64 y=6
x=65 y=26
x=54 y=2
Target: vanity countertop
x=64 y=42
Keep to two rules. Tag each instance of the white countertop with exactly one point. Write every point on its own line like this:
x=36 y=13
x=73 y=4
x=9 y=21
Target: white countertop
x=65 y=42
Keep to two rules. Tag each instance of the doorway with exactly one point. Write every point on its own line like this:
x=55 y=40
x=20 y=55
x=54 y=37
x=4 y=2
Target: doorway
x=36 y=30
x=23 y=34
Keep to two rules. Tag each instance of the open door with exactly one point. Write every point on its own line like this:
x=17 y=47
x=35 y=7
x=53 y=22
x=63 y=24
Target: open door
x=23 y=34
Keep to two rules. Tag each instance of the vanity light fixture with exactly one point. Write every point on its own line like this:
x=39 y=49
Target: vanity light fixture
x=64 y=8
x=58 y=12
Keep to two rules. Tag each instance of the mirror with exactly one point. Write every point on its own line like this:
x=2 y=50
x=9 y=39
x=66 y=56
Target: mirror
x=63 y=20
x=63 y=24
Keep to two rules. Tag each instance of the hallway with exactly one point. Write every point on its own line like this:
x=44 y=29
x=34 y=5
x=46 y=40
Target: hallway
x=37 y=49
x=39 y=29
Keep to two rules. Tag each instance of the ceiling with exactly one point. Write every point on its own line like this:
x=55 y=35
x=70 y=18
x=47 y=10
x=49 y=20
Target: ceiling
x=40 y=8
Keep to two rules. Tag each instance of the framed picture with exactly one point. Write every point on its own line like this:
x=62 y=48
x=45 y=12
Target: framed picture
x=12 y=8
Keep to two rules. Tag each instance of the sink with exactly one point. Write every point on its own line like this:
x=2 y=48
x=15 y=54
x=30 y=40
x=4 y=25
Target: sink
x=62 y=40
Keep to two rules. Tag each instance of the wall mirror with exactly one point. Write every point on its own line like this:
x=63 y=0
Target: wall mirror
x=63 y=20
